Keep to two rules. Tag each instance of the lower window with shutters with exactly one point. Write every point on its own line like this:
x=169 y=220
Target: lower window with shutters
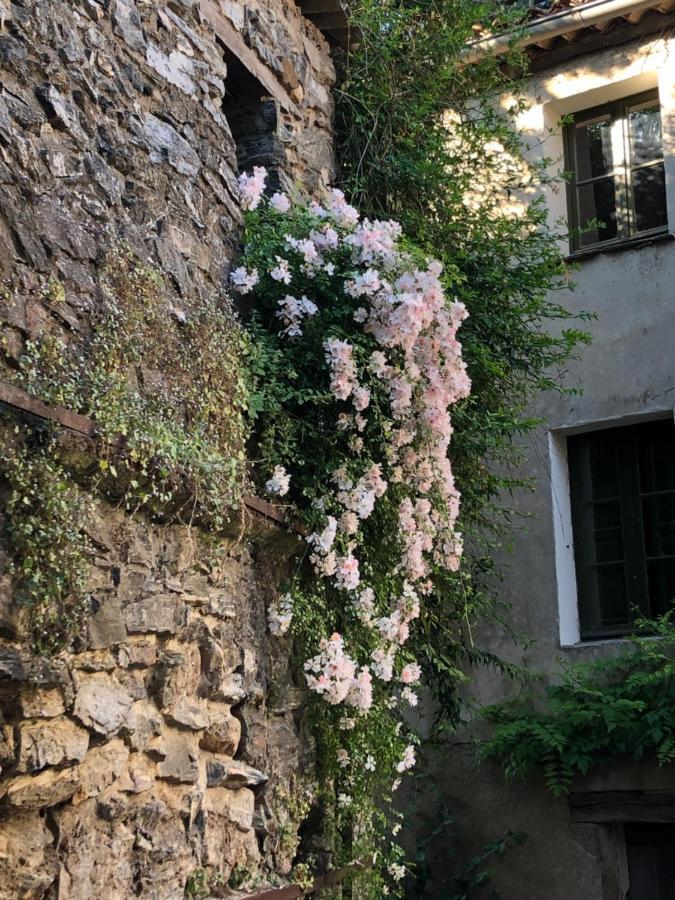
x=622 y=483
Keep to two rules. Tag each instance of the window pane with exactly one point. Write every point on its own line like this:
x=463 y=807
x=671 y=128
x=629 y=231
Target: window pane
x=661 y=576
x=593 y=149
x=649 y=197
x=650 y=850
x=604 y=475
x=644 y=133
x=613 y=601
x=597 y=200
x=657 y=459
x=658 y=517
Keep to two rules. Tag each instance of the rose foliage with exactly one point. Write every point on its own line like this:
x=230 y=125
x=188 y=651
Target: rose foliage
x=359 y=365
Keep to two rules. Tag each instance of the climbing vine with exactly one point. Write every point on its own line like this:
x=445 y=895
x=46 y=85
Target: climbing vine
x=358 y=364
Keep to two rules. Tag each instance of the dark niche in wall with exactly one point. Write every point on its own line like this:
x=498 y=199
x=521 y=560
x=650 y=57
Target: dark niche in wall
x=253 y=117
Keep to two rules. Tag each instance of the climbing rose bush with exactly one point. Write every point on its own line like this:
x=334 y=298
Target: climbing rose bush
x=358 y=365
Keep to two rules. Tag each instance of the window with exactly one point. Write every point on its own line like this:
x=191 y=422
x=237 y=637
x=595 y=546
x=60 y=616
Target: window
x=622 y=483
x=650 y=851
x=615 y=155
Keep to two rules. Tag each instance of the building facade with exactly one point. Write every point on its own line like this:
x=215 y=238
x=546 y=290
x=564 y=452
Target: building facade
x=597 y=538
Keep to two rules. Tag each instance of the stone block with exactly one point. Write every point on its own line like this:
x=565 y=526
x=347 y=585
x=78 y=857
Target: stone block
x=181 y=757
x=37 y=791
x=107 y=627
x=191 y=714
x=100 y=769
x=237 y=805
x=139 y=776
x=142 y=724
x=36 y=703
x=223 y=732
x=233 y=774
x=161 y=613
x=101 y=703
x=27 y=859
x=50 y=742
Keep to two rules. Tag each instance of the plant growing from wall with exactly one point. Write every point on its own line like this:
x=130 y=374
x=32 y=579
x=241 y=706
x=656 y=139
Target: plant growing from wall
x=166 y=387
x=43 y=515
x=596 y=713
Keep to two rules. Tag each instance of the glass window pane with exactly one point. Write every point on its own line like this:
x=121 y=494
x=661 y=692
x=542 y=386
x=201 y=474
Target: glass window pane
x=644 y=134
x=597 y=200
x=613 y=602
x=658 y=519
x=661 y=579
x=649 y=197
x=604 y=475
x=657 y=460
x=593 y=149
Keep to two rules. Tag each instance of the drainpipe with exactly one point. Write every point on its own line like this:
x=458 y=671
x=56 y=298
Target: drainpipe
x=563 y=22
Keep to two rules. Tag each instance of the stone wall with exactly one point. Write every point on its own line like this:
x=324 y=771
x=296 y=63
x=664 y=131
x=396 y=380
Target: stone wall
x=170 y=744
x=112 y=122
x=167 y=744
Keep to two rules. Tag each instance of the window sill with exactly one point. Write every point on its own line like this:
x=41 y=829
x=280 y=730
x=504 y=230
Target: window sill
x=633 y=243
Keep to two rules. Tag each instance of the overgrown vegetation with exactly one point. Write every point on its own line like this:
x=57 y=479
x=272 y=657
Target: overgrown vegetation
x=596 y=714
x=401 y=88
x=43 y=514
x=168 y=391
x=166 y=387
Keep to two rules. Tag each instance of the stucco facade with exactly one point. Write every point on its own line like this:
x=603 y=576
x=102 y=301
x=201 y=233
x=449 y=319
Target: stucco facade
x=625 y=376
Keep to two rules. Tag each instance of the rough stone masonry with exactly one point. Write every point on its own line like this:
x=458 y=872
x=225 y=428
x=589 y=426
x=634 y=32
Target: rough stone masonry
x=170 y=744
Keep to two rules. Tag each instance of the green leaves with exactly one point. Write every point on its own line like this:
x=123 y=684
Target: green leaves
x=596 y=714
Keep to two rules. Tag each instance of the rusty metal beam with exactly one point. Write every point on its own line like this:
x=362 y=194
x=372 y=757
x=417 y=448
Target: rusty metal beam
x=294 y=891
x=21 y=400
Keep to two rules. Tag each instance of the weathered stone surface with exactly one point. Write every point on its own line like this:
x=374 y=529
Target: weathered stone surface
x=107 y=626
x=189 y=714
x=139 y=776
x=232 y=774
x=223 y=732
x=237 y=805
x=45 y=789
x=101 y=704
x=100 y=769
x=121 y=119
x=161 y=613
x=50 y=743
x=181 y=757
x=27 y=857
x=37 y=702
x=142 y=724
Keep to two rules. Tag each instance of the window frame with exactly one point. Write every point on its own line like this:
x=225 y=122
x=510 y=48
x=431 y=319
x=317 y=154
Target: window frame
x=630 y=495
x=621 y=174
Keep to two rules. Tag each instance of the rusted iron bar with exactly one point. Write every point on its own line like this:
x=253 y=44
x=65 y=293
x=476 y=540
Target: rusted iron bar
x=294 y=891
x=19 y=399
x=14 y=396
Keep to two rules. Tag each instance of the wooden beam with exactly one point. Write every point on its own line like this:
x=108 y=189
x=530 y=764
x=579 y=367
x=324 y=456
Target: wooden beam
x=606 y=807
x=234 y=42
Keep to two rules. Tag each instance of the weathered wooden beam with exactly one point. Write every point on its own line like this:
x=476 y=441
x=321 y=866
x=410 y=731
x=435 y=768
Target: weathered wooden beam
x=14 y=396
x=234 y=42
x=604 y=807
